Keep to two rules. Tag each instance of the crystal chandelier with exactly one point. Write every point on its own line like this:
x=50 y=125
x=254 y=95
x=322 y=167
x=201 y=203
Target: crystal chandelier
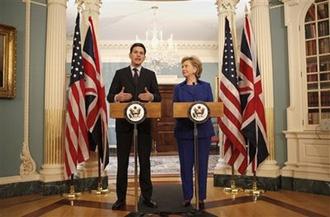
x=161 y=53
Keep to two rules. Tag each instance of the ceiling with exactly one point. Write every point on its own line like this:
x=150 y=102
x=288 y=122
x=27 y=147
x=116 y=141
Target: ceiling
x=186 y=19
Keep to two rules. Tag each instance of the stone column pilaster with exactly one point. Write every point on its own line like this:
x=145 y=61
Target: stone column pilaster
x=54 y=122
x=28 y=165
x=260 y=22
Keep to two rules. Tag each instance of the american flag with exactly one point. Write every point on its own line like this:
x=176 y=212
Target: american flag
x=230 y=122
x=76 y=139
x=97 y=119
x=254 y=122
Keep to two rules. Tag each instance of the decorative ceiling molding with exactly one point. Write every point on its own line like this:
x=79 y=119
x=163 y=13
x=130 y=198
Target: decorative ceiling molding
x=117 y=51
x=180 y=44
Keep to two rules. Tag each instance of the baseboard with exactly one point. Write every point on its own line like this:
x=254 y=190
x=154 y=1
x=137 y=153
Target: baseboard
x=49 y=188
x=305 y=185
x=245 y=182
x=275 y=184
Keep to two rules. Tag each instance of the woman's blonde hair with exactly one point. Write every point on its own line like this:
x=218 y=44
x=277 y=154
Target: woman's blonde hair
x=195 y=62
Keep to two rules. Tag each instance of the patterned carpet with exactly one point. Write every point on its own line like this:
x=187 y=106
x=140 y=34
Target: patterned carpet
x=161 y=164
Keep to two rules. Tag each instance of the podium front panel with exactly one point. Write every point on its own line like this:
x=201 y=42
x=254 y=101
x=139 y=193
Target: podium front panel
x=180 y=109
x=117 y=109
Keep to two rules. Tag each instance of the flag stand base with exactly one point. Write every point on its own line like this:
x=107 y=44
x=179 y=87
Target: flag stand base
x=254 y=191
x=72 y=195
x=100 y=190
x=233 y=190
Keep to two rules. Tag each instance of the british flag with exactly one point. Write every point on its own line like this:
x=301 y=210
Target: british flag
x=230 y=123
x=254 y=122
x=97 y=119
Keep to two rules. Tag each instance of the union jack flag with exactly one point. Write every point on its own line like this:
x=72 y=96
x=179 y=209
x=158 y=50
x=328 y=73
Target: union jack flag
x=97 y=119
x=230 y=122
x=76 y=139
x=254 y=122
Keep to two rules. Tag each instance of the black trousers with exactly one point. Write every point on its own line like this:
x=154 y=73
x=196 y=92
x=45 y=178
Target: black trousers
x=124 y=143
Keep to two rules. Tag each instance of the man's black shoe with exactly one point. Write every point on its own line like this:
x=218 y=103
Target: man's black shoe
x=149 y=203
x=119 y=204
x=201 y=205
x=186 y=203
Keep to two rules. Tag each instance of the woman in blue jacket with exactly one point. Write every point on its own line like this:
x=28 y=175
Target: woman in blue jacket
x=193 y=89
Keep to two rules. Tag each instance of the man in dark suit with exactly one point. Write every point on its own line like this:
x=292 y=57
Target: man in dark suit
x=134 y=83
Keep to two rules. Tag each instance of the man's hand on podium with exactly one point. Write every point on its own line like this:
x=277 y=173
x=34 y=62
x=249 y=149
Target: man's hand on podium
x=123 y=97
x=147 y=96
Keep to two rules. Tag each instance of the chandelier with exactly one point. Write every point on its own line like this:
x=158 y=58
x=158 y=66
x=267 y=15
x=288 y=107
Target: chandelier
x=161 y=53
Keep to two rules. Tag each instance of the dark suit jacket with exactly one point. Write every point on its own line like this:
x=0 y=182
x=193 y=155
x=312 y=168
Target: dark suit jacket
x=189 y=93
x=123 y=78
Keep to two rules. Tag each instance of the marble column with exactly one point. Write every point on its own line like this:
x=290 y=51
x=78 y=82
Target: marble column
x=226 y=8
x=55 y=83
x=260 y=22
x=89 y=8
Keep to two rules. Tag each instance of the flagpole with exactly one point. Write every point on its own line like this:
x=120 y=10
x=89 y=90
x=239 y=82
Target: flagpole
x=254 y=191
x=233 y=190
x=100 y=190
x=72 y=195
x=76 y=82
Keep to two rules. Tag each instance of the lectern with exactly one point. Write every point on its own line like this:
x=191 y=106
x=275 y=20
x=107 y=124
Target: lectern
x=197 y=112
x=117 y=110
x=135 y=113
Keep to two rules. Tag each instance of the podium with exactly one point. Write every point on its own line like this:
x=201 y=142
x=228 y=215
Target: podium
x=153 y=109
x=135 y=113
x=203 y=110
x=180 y=109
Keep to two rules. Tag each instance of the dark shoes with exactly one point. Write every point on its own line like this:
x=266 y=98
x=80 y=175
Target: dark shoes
x=149 y=203
x=119 y=204
x=201 y=205
x=186 y=203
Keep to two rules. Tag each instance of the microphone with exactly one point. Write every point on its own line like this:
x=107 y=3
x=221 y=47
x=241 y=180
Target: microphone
x=194 y=83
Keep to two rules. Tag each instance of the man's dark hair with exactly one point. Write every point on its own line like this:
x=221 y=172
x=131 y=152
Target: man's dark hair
x=138 y=45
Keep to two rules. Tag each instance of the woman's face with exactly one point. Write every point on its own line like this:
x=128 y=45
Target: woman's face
x=188 y=70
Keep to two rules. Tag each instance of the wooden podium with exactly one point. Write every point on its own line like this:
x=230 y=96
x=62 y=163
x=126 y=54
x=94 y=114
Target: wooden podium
x=117 y=109
x=153 y=110
x=181 y=110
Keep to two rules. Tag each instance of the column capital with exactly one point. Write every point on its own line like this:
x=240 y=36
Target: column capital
x=89 y=5
x=226 y=6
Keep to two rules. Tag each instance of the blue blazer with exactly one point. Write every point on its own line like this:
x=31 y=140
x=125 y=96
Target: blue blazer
x=188 y=93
